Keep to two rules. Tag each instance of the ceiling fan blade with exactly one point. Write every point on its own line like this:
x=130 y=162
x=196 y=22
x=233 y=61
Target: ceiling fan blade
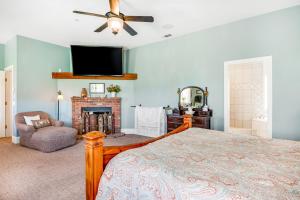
x=130 y=30
x=139 y=18
x=114 y=6
x=101 y=28
x=88 y=13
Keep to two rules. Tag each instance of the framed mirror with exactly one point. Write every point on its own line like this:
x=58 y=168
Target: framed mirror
x=191 y=96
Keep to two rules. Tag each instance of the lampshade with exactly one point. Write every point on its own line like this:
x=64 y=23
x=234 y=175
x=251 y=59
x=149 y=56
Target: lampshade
x=60 y=96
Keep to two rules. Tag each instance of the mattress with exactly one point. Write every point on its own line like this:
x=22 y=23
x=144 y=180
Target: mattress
x=205 y=164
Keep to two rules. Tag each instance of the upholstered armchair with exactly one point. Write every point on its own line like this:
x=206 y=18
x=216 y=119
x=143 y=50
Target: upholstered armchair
x=47 y=139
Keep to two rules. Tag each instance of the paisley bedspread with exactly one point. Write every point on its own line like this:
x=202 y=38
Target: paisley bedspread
x=205 y=164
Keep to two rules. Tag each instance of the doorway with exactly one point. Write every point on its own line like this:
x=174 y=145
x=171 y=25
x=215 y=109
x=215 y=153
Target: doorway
x=248 y=96
x=8 y=102
x=6 y=99
x=2 y=104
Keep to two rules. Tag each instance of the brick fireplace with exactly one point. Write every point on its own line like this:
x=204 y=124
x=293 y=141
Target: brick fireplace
x=80 y=105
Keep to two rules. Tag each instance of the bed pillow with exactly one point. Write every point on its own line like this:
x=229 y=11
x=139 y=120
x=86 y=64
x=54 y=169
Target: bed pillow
x=28 y=119
x=41 y=123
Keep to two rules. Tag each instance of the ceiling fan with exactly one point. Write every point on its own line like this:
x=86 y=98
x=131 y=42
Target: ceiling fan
x=117 y=20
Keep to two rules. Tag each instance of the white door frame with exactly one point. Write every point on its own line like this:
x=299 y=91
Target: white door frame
x=2 y=103
x=267 y=62
x=14 y=101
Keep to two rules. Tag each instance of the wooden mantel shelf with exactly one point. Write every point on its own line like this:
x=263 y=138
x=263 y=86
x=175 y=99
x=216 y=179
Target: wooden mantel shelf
x=69 y=75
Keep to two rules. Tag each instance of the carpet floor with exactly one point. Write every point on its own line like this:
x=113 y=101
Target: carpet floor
x=27 y=174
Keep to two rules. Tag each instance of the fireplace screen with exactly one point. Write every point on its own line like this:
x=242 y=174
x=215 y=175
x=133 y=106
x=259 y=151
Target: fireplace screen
x=97 y=119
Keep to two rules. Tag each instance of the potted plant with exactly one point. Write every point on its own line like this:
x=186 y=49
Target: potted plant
x=114 y=90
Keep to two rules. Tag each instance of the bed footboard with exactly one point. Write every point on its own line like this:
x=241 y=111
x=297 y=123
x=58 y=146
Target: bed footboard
x=97 y=156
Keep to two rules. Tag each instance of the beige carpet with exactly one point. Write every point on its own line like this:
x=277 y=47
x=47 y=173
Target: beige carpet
x=27 y=174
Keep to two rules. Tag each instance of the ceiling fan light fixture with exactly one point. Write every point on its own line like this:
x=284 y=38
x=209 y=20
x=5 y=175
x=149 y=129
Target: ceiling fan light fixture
x=116 y=20
x=115 y=24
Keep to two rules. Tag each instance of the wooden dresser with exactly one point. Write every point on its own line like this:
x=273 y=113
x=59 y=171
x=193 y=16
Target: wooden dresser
x=200 y=121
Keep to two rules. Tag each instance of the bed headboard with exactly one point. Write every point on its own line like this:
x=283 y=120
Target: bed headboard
x=97 y=155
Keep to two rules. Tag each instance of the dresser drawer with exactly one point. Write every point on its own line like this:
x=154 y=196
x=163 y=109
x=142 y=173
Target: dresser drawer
x=175 y=119
x=198 y=120
x=172 y=126
x=201 y=122
x=199 y=126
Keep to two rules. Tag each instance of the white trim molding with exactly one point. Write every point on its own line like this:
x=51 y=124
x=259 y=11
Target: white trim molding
x=128 y=130
x=2 y=103
x=15 y=139
x=267 y=63
x=14 y=96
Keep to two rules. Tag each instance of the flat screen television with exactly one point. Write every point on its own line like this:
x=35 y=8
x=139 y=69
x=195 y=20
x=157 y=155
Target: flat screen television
x=96 y=61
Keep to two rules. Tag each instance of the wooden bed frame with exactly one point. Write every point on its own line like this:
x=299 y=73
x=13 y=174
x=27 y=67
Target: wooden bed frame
x=97 y=156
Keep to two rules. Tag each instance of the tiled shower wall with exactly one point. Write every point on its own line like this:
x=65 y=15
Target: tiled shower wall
x=246 y=93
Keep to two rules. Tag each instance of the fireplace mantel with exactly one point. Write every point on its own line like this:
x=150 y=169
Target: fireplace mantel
x=95 y=99
x=69 y=75
x=78 y=103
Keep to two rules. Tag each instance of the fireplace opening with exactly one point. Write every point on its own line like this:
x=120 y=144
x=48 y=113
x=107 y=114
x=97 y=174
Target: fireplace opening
x=91 y=107
x=97 y=119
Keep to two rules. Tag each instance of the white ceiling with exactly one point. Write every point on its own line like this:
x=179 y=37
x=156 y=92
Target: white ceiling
x=53 y=20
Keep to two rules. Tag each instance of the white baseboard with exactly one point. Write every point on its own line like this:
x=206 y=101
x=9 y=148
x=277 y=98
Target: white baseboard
x=15 y=139
x=128 y=130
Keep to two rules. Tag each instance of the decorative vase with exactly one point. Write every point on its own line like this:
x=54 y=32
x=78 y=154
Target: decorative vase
x=113 y=94
x=84 y=93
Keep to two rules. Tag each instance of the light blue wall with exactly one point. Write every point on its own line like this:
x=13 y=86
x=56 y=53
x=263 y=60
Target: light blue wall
x=2 y=55
x=72 y=88
x=198 y=59
x=33 y=62
x=36 y=61
x=10 y=53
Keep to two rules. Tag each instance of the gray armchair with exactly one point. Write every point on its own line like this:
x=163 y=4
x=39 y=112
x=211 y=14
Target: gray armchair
x=47 y=139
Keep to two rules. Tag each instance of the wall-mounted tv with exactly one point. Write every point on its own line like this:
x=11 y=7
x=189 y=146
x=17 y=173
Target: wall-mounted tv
x=91 y=61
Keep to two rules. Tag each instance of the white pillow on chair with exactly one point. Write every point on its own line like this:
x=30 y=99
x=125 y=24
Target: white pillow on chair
x=28 y=119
